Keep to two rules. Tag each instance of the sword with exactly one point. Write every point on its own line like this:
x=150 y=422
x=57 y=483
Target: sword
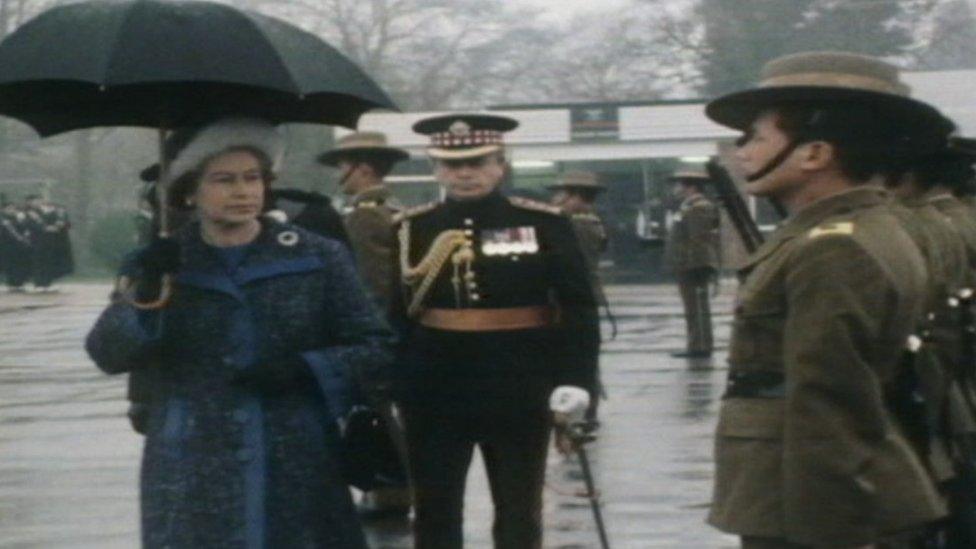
x=579 y=439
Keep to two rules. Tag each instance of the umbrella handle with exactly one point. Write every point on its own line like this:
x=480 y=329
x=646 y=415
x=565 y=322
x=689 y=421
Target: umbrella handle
x=124 y=285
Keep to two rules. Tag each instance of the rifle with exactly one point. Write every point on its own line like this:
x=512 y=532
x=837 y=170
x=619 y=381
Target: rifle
x=735 y=206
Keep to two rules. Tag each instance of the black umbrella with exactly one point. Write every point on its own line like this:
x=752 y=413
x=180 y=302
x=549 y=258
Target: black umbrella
x=168 y=64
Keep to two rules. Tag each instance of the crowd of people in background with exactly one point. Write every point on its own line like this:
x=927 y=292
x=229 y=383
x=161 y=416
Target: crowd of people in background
x=35 y=247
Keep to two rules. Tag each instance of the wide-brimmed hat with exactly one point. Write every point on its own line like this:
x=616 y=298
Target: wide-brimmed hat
x=456 y=136
x=578 y=180
x=962 y=147
x=362 y=145
x=824 y=77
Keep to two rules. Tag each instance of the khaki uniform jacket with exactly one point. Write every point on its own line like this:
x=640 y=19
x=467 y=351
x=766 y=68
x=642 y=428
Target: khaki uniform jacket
x=827 y=304
x=592 y=236
x=373 y=238
x=961 y=216
x=693 y=239
x=941 y=245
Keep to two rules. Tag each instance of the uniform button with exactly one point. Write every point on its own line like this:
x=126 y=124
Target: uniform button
x=227 y=360
x=468 y=221
x=515 y=258
x=475 y=297
x=245 y=454
x=468 y=232
x=472 y=285
x=240 y=416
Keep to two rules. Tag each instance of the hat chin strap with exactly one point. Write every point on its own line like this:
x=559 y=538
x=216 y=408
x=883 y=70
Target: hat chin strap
x=775 y=162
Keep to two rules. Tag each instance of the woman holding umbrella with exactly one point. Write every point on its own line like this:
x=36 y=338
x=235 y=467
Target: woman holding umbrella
x=256 y=351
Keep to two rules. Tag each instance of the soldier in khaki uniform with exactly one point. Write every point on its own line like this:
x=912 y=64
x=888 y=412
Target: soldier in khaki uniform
x=364 y=159
x=948 y=173
x=576 y=193
x=692 y=252
x=808 y=453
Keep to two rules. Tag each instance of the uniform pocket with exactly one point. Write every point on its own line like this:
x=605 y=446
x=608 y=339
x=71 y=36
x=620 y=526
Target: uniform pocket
x=760 y=418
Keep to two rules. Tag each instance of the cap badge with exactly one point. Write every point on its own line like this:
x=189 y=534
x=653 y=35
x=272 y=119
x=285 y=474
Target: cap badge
x=460 y=128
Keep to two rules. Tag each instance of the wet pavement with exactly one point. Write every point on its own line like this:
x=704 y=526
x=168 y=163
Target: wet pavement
x=69 y=462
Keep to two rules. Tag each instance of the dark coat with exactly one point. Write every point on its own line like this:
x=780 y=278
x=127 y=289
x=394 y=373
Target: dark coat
x=15 y=246
x=241 y=449
x=51 y=255
x=509 y=371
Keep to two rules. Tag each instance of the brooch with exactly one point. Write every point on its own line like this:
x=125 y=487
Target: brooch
x=288 y=238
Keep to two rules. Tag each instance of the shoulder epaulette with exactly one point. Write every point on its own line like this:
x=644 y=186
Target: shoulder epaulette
x=415 y=211
x=586 y=217
x=535 y=205
x=838 y=228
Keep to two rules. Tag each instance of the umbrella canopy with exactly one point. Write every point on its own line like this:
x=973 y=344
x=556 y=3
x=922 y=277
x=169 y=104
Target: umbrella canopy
x=164 y=64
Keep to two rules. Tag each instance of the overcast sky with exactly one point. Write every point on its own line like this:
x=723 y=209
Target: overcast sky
x=562 y=8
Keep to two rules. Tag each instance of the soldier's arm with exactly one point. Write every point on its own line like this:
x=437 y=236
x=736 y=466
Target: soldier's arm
x=371 y=236
x=580 y=345
x=837 y=301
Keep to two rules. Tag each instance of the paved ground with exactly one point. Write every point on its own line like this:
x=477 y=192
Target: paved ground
x=69 y=463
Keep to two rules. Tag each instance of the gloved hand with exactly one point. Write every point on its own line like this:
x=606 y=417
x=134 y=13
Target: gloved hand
x=276 y=376
x=568 y=404
x=161 y=256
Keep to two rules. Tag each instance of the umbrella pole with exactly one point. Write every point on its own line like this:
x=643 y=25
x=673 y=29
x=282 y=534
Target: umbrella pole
x=124 y=285
x=162 y=186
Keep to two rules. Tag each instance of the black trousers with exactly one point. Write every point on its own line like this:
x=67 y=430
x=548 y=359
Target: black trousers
x=441 y=445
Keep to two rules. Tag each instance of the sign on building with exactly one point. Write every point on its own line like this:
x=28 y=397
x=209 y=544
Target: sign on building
x=594 y=123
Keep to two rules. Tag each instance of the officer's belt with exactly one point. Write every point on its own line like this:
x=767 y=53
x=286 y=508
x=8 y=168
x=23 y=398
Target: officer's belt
x=755 y=385
x=487 y=320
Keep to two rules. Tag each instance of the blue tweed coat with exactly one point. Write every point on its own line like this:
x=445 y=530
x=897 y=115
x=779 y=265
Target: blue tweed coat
x=238 y=460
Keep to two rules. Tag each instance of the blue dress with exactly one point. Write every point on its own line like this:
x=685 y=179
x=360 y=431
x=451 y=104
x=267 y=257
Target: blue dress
x=255 y=355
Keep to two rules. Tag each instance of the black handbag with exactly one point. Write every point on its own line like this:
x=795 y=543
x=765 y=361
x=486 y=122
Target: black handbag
x=370 y=457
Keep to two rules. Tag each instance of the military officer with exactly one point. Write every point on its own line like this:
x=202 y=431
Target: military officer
x=364 y=159
x=495 y=312
x=692 y=250
x=808 y=452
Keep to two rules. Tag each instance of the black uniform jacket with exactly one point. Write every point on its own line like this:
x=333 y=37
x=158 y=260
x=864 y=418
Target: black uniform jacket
x=525 y=255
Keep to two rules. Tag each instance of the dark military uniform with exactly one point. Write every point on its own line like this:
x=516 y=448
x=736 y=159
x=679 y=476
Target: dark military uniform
x=51 y=256
x=370 y=228
x=693 y=253
x=496 y=312
x=15 y=246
